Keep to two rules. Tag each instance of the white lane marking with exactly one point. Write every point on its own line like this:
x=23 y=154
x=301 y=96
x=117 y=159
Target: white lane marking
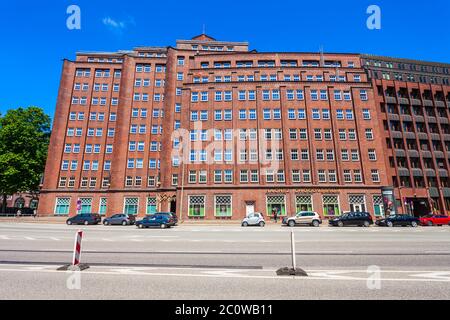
x=54 y=239
x=434 y=275
x=229 y=274
x=5 y=238
x=108 y=240
x=30 y=238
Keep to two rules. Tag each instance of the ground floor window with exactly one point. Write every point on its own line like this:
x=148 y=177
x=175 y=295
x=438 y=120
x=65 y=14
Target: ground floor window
x=331 y=205
x=357 y=202
x=276 y=204
x=304 y=203
x=103 y=206
x=86 y=205
x=151 y=205
x=131 y=206
x=62 y=206
x=223 y=206
x=378 y=208
x=34 y=204
x=19 y=203
x=197 y=206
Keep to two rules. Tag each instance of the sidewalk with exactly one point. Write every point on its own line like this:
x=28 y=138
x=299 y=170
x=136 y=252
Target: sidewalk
x=41 y=220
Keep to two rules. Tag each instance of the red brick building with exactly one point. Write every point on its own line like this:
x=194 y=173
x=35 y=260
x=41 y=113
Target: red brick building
x=211 y=130
x=413 y=98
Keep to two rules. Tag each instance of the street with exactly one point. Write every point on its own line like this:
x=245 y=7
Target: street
x=225 y=262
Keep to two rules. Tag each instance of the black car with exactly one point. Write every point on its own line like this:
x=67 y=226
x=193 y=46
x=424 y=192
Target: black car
x=85 y=218
x=162 y=221
x=399 y=220
x=362 y=219
x=168 y=214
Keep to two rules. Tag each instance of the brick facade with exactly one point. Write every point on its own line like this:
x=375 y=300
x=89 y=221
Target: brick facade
x=212 y=130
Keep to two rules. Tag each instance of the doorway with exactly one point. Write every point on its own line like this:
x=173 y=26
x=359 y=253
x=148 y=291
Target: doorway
x=249 y=208
x=419 y=207
x=173 y=206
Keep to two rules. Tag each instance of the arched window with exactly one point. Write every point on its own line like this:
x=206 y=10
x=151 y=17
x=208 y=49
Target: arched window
x=34 y=204
x=19 y=203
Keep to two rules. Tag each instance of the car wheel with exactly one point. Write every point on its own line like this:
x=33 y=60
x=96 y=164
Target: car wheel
x=366 y=224
x=141 y=226
x=86 y=223
x=340 y=224
x=262 y=224
x=414 y=224
x=389 y=224
x=430 y=223
x=316 y=223
x=245 y=224
x=105 y=223
x=69 y=223
x=163 y=226
x=124 y=223
x=291 y=223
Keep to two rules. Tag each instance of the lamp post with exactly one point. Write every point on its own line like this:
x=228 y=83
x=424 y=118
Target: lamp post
x=182 y=190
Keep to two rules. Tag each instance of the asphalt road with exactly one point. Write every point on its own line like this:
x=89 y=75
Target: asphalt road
x=225 y=262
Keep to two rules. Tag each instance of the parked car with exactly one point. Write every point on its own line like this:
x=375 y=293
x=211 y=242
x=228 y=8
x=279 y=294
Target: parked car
x=435 y=220
x=304 y=218
x=169 y=214
x=362 y=219
x=254 y=219
x=157 y=220
x=399 y=220
x=120 y=219
x=85 y=218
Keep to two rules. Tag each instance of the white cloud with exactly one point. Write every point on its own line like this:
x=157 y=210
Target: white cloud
x=116 y=25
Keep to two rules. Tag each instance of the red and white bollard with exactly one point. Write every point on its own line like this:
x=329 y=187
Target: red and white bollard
x=76 y=261
x=77 y=250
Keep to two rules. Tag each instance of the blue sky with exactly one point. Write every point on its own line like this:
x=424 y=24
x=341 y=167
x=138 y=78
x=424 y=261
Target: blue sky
x=34 y=36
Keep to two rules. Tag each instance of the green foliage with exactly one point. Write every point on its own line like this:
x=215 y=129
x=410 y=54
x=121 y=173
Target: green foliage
x=24 y=139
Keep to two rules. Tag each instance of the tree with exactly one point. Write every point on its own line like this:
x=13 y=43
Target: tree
x=24 y=139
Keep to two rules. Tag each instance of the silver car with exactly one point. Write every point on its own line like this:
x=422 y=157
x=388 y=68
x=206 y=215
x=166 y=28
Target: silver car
x=254 y=219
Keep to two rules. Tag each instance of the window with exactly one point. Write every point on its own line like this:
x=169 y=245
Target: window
x=378 y=205
x=223 y=206
x=316 y=114
x=131 y=206
x=375 y=176
x=304 y=203
x=331 y=205
x=296 y=177
x=197 y=206
x=228 y=176
x=369 y=134
x=337 y=95
x=372 y=155
x=103 y=206
x=62 y=206
x=301 y=114
x=366 y=114
x=349 y=114
x=151 y=205
x=243 y=177
x=276 y=204
x=363 y=95
x=86 y=205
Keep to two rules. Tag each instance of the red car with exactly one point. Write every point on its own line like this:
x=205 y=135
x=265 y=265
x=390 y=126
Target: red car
x=435 y=220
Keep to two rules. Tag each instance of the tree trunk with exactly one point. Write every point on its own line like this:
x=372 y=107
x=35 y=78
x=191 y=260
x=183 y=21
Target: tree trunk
x=4 y=203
